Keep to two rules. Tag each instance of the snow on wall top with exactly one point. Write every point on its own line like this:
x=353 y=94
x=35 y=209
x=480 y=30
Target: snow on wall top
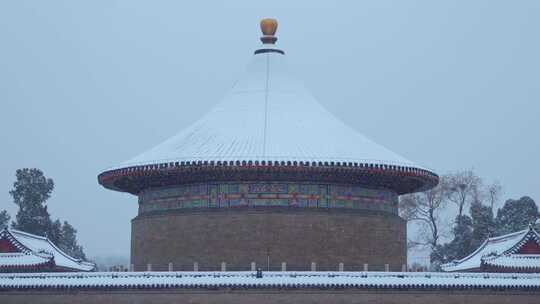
x=203 y=280
x=269 y=116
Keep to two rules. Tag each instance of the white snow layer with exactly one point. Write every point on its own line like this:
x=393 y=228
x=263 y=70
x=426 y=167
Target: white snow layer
x=269 y=279
x=269 y=116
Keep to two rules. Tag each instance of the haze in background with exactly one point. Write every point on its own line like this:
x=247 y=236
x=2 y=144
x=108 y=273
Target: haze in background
x=86 y=85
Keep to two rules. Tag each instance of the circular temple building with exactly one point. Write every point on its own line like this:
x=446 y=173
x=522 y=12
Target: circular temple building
x=268 y=177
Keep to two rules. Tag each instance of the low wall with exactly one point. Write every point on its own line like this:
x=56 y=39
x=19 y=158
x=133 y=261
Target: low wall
x=270 y=287
x=270 y=296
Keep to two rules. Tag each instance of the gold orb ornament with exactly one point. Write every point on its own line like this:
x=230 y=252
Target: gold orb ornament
x=269 y=28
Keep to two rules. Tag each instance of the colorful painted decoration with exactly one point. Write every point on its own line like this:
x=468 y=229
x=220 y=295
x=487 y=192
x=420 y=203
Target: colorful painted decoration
x=269 y=194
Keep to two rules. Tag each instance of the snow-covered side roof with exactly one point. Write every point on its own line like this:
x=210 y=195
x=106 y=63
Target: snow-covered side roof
x=20 y=259
x=38 y=246
x=152 y=280
x=494 y=246
x=523 y=261
x=269 y=116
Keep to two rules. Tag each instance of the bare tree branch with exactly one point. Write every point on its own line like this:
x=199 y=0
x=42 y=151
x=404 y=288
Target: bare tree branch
x=462 y=188
x=424 y=208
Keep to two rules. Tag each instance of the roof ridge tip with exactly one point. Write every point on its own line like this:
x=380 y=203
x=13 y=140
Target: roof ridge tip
x=29 y=234
x=508 y=234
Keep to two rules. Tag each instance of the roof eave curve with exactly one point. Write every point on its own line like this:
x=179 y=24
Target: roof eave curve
x=400 y=179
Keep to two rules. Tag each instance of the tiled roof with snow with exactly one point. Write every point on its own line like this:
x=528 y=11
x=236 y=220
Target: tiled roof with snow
x=36 y=248
x=18 y=259
x=269 y=116
x=525 y=261
x=492 y=247
x=154 y=280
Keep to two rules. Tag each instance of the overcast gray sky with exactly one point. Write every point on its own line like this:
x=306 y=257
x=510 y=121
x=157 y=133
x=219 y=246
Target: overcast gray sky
x=86 y=85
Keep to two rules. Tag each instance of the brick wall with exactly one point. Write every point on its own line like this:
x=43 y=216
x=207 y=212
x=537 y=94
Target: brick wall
x=268 y=237
x=270 y=296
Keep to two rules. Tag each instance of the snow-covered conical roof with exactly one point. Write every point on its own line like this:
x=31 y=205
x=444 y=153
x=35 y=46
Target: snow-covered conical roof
x=269 y=116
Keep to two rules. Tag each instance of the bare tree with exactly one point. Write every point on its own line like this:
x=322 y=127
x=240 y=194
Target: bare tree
x=463 y=188
x=425 y=209
x=494 y=192
x=431 y=217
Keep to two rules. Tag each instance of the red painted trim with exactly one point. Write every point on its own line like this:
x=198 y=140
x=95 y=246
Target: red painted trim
x=530 y=247
x=7 y=247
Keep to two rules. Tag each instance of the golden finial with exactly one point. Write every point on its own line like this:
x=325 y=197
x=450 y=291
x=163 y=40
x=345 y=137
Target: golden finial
x=269 y=28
